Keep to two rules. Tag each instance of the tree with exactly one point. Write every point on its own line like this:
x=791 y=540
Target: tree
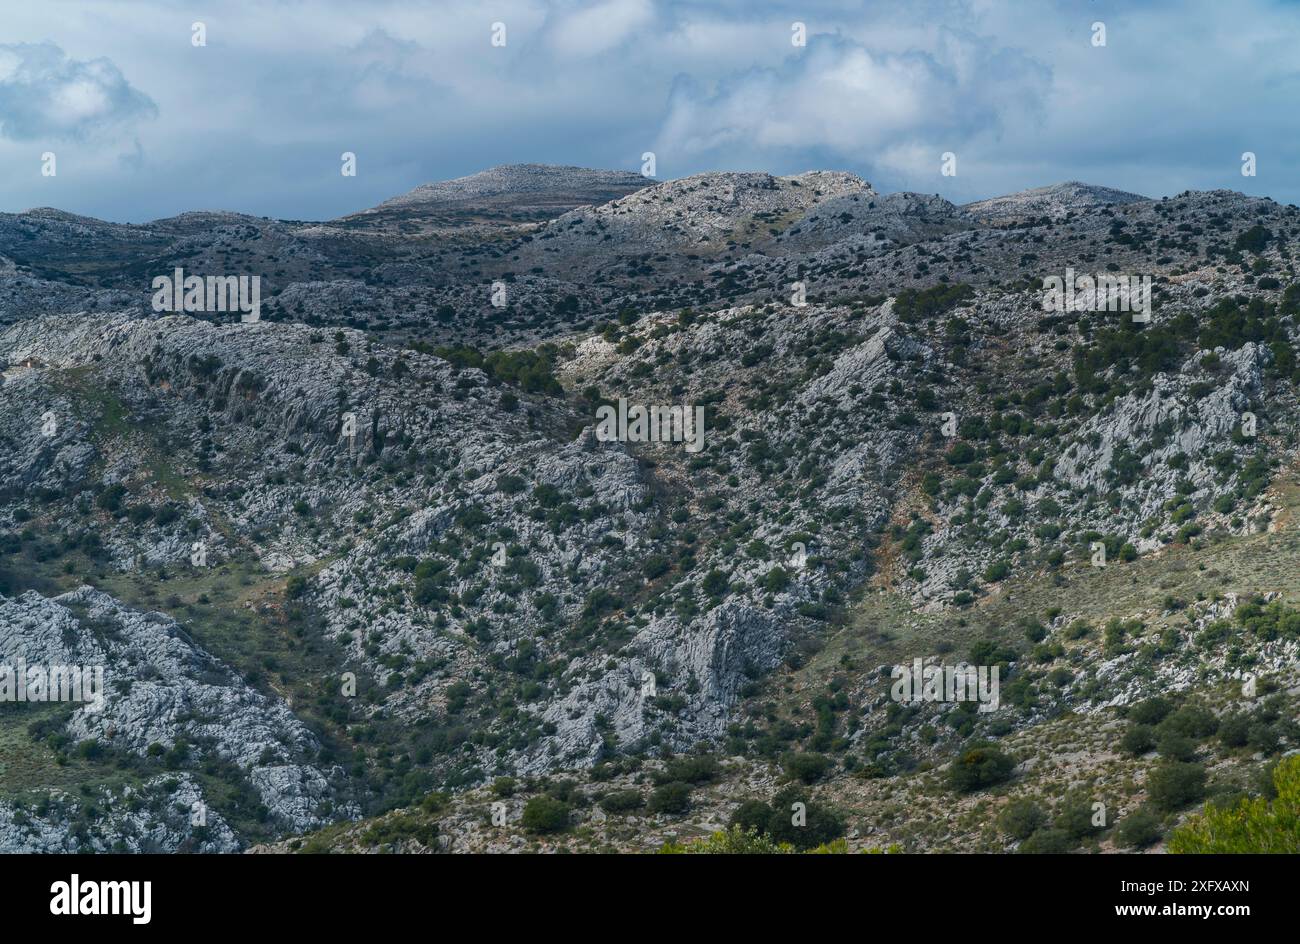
x=808 y=768
x=1252 y=826
x=802 y=823
x=1047 y=842
x=622 y=801
x=981 y=765
x=1075 y=818
x=1137 y=740
x=671 y=798
x=751 y=816
x=545 y=814
x=1255 y=239
x=1174 y=784
x=1139 y=829
x=1020 y=818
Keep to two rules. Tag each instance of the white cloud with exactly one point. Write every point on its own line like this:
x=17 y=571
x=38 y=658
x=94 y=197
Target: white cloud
x=840 y=98
x=46 y=94
x=256 y=120
x=594 y=29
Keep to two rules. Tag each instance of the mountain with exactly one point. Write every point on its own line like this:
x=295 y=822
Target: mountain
x=395 y=561
x=502 y=197
x=547 y=184
x=1053 y=202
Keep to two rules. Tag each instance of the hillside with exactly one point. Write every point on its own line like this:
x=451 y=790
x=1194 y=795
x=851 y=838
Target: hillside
x=361 y=570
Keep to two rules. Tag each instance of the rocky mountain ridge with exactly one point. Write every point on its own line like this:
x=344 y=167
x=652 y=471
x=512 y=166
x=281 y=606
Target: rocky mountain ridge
x=370 y=555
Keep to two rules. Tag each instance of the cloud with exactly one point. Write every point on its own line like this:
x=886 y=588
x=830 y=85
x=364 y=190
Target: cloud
x=839 y=98
x=594 y=29
x=45 y=94
x=257 y=120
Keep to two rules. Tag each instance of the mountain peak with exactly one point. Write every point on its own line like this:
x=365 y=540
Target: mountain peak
x=507 y=180
x=1053 y=200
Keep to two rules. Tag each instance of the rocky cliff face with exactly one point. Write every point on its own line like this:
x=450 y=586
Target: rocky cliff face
x=161 y=695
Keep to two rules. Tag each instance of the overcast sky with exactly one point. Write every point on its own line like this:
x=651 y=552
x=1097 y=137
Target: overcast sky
x=145 y=124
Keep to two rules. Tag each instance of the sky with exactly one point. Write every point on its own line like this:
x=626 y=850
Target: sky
x=145 y=123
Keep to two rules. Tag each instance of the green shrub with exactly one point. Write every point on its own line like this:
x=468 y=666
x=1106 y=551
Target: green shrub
x=700 y=768
x=1251 y=826
x=1174 y=746
x=504 y=786
x=806 y=768
x=1174 y=784
x=751 y=815
x=1137 y=740
x=656 y=565
x=622 y=801
x=1075 y=818
x=737 y=841
x=1152 y=711
x=1190 y=721
x=1234 y=730
x=670 y=798
x=821 y=824
x=913 y=305
x=1047 y=842
x=545 y=814
x=1019 y=819
x=980 y=766
x=1139 y=829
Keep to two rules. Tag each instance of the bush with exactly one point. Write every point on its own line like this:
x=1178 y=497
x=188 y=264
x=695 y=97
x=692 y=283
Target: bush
x=737 y=841
x=1190 y=721
x=545 y=814
x=715 y=584
x=656 y=565
x=503 y=786
x=733 y=841
x=1174 y=784
x=1234 y=730
x=1255 y=239
x=961 y=454
x=821 y=823
x=1047 y=842
x=913 y=305
x=1137 y=740
x=1152 y=711
x=776 y=820
x=622 y=801
x=776 y=580
x=1075 y=818
x=671 y=798
x=511 y=484
x=752 y=815
x=1173 y=746
x=1264 y=738
x=1251 y=826
x=807 y=768
x=1139 y=829
x=998 y=570
x=1019 y=819
x=980 y=766
x=702 y=768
